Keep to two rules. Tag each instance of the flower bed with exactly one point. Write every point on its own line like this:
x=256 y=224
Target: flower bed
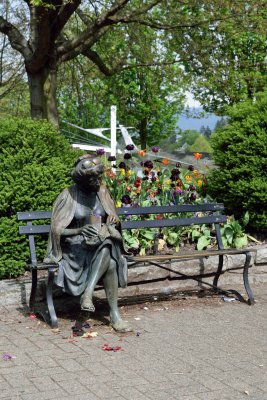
x=139 y=179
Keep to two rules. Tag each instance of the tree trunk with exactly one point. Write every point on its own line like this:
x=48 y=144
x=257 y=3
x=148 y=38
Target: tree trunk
x=42 y=87
x=143 y=133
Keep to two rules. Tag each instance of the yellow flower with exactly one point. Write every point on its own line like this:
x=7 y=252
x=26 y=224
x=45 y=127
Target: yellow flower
x=167 y=182
x=130 y=172
x=199 y=182
x=122 y=172
x=196 y=173
x=188 y=178
x=118 y=204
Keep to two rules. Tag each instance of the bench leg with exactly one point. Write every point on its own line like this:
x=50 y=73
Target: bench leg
x=33 y=289
x=49 y=298
x=218 y=272
x=251 y=300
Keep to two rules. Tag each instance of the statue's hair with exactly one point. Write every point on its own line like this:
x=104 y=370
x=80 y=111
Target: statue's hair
x=84 y=156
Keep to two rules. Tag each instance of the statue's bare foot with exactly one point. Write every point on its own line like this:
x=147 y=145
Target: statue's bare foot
x=87 y=303
x=121 y=326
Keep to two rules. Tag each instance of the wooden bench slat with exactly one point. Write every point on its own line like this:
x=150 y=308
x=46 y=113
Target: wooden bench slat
x=32 y=215
x=192 y=254
x=160 y=223
x=34 y=229
x=170 y=209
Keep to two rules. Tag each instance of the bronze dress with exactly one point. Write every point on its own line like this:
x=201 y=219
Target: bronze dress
x=76 y=254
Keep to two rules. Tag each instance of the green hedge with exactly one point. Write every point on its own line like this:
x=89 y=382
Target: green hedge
x=35 y=164
x=240 y=152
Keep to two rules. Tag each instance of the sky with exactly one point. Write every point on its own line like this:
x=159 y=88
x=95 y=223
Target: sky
x=196 y=123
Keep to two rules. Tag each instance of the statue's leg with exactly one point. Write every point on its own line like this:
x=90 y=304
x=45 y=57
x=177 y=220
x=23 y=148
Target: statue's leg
x=110 y=280
x=99 y=268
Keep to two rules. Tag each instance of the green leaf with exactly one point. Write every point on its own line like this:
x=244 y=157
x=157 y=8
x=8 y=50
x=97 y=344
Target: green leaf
x=241 y=242
x=148 y=235
x=245 y=219
x=195 y=234
x=202 y=242
x=172 y=238
x=228 y=232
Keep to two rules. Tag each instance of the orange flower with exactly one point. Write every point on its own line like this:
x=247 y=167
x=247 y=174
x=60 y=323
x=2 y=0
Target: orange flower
x=165 y=161
x=197 y=156
x=142 y=153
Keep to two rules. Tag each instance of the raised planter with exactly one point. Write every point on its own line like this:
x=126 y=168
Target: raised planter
x=151 y=281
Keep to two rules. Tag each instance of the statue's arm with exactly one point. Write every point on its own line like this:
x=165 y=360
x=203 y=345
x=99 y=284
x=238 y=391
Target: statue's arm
x=72 y=231
x=86 y=230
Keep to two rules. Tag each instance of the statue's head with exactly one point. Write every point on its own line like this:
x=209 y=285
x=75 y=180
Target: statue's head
x=88 y=171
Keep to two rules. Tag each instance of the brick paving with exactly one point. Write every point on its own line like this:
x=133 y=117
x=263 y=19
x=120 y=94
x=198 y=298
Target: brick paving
x=187 y=349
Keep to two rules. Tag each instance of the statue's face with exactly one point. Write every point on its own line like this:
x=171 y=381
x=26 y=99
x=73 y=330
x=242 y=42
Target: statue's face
x=88 y=173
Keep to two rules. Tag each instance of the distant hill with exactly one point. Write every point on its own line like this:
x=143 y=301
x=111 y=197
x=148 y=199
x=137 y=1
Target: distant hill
x=196 y=123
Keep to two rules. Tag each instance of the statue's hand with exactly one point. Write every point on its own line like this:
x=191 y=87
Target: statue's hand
x=89 y=231
x=112 y=219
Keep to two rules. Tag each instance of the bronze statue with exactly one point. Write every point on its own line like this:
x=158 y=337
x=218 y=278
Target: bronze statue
x=85 y=239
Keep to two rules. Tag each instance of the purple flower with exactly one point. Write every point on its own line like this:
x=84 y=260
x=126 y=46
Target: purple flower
x=148 y=164
x=178 y=165
x=190 y=168
x=175 y=171
x=122 y=165
x=129 y=147
x=127 y=156
x=193 y=197
x=100 y=152
x=126 y=199
x=155 y=149
x=111 y=158
x=179 y=191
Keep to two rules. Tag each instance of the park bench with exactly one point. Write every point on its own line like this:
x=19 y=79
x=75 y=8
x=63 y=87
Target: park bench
x=140 y=217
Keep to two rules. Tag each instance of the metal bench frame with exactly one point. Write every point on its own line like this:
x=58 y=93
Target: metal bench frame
x=213 y=214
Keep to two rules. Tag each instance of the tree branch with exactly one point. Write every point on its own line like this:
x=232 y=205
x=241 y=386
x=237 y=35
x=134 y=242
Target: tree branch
x=63 y=16
x=97 y=60
x=17 y=40
x=95 y=30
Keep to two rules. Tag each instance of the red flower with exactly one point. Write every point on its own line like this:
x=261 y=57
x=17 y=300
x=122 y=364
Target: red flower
x=137 y=182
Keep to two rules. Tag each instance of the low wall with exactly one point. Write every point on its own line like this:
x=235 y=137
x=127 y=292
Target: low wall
x=148 y=280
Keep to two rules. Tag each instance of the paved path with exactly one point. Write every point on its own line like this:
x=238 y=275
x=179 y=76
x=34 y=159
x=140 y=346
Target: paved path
x=191 y=349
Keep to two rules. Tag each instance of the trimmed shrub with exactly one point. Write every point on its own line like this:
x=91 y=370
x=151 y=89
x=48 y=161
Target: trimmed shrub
x=240 y=152
x=35 y=165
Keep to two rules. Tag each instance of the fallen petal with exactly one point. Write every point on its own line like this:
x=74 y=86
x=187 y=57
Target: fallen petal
x=7 y=357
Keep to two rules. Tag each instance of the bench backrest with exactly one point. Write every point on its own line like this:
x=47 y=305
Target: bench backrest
x=206 y=213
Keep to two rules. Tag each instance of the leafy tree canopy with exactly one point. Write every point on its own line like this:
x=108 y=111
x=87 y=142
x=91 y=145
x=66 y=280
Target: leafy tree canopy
x=191 y=34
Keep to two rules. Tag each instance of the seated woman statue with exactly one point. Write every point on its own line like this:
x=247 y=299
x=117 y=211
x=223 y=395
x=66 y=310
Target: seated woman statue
x=85 y=240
